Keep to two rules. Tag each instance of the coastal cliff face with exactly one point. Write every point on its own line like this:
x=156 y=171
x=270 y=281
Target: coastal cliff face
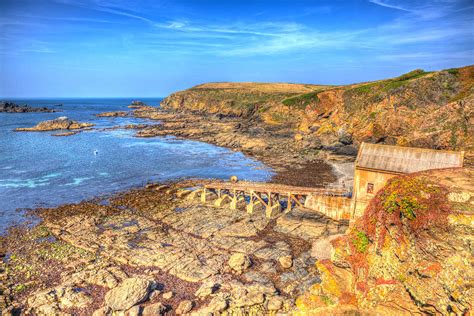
x=421 y=109
x=244 y=99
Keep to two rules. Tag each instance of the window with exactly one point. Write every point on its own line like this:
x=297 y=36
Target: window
x=370 y=188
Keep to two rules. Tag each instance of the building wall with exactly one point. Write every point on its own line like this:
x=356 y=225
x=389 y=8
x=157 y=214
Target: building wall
x=363 y=179
x=336 y=207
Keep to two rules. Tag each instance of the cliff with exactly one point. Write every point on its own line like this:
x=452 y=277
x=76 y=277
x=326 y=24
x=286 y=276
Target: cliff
x=421 y=109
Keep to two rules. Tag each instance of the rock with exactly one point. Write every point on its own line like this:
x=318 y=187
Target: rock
x=267 y=267
x=206 y=289
x=113 y=114
x=344 y=137
x=66 y=133
x=50 y=301
x=274 y=303
x=168 y=295
x=154 y=294
x=57 y=124
x=239 y=262
x=298 y=137
x=154 y=309
x=321 y=249
x=184 y=307
x=348 y=150
x=460 y=197
x=103 y=311
x=11 y=107
x=137 y=104
x=218 y=304
x=70 y=297
x=130 y=292
x=133 y=311
x=286 y=261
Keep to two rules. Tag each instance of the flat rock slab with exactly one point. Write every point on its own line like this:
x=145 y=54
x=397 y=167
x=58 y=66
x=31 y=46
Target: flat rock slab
x=193 y=242
x=129 y=293
x=309 y=225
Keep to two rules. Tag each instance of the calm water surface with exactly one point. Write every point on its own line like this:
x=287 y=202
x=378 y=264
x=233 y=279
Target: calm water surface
x=37 y=169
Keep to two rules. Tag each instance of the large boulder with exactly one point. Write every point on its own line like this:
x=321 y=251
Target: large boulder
x=129 y=293
x=239 y=262
x=184 y=307
x=154 y=309
x=286 y=261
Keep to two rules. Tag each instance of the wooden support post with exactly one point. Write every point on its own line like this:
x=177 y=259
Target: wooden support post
x=250 y=205
x=233 y=202
x=255 y=200
x=271 y=209
x=203 y=195
x=288 y=207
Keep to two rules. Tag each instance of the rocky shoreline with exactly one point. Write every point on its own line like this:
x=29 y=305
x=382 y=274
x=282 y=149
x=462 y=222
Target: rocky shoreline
x=155 y=251
x=11 y=107
x=296 y=162
x=189 y=256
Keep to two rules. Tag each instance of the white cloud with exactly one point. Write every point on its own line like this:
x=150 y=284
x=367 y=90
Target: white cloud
x=389 y=5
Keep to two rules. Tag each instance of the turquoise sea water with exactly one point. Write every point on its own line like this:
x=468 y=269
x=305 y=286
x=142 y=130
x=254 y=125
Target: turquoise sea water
x=37 y=169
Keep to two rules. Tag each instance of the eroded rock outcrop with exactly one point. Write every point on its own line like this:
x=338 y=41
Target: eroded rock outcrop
x=61 y=123
x=11 y=107
x=137 y=104
x=129 y=293
x=411 y=252
x=113 y=114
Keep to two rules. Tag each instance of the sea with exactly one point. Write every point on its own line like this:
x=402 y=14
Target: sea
x=40 y=170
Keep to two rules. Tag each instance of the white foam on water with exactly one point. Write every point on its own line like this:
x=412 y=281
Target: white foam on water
x=28 y=183
x=77 y=181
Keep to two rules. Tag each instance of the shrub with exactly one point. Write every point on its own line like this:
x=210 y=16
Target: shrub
x=410 y=202
x=453 y=71
x=360 y=241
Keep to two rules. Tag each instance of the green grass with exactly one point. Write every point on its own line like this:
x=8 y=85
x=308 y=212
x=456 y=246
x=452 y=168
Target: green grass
x=364 y=89
x=303 y=100
x=390 y=84
x=412 y=75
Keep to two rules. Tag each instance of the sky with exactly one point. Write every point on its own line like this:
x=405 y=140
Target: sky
x=118 y=48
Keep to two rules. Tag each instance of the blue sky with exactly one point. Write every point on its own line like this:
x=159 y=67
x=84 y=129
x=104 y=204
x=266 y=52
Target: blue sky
x=91 y=48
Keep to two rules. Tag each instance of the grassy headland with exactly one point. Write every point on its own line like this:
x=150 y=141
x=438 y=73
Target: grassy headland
x=421 y=109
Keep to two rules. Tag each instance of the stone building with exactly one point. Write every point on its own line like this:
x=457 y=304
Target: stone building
x=376 y=164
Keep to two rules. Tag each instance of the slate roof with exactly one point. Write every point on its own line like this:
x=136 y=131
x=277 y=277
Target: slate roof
x=399 y=159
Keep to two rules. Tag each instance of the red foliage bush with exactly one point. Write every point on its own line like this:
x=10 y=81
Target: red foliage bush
x=411 y=204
